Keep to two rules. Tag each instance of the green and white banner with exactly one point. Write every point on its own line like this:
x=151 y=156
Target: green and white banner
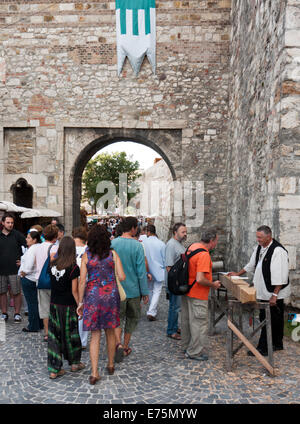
x=135 y=20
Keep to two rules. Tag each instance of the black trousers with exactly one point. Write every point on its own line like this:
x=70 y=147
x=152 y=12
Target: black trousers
x=277 y=324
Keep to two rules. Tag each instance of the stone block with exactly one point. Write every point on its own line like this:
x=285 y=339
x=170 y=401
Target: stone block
x=187 y=132
x=51 y=132
x=292 y=18
x=289 y=227
x=66 y=6
x=287 y=185
x=51 y=201
x=290 y=119
x=289 y=202
x=292 y=38
x=42 y=191
x=44 y=164
x=292 y=256
x=41 y=180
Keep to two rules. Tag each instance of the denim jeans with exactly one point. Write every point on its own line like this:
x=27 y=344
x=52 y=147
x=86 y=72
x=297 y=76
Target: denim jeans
x=174 y=309
x=30 y=293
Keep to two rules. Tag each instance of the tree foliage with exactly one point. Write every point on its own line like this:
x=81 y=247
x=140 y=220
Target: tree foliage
x=107 y=167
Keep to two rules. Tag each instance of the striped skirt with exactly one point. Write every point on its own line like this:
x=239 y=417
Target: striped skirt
x=63 y=337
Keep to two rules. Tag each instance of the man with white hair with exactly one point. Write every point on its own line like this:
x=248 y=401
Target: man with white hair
x=269 y=262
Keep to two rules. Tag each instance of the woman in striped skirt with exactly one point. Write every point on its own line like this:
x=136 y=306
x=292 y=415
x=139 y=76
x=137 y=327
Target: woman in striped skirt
x=63 y=336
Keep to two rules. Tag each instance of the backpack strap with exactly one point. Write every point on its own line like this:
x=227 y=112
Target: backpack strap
x=49 y=248
x=73 y=270
x=190 y=255
x=194 y=252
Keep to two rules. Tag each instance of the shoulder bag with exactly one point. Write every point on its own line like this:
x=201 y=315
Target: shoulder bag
x=120 y=287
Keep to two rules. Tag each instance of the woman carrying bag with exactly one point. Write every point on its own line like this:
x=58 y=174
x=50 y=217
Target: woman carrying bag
x=99 y=299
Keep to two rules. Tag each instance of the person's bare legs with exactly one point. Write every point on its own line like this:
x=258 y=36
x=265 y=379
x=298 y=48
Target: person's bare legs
x=3 y=303
x=127 y=337
x=17 y=302
x=94 y=351
x=111 y=345
x=46 y=324
x=118 y=335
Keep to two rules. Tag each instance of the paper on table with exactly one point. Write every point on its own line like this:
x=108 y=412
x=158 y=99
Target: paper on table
x=235 y=277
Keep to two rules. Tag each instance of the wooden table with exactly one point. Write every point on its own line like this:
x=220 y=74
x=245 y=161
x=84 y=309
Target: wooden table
x=233 y=309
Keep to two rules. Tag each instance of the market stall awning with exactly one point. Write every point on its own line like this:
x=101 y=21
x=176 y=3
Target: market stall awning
x=27 y=212
x=11 y=207
x=36 y=213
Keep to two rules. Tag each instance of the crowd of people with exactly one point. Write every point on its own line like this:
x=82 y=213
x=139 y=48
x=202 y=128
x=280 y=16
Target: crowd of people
x=85 y=272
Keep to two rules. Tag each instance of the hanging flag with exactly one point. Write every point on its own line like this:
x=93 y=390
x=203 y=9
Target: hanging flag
x=135 y=20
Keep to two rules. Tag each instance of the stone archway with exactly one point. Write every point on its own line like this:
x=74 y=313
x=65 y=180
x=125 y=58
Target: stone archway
x=82 y=144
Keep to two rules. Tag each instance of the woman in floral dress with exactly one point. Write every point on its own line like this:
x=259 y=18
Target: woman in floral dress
x=99 y=300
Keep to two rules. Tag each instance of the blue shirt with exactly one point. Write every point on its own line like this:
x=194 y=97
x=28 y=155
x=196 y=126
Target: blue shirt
x=132 y=256
x=156 y=257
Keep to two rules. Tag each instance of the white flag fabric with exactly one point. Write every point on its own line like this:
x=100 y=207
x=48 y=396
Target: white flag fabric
x=135 y=21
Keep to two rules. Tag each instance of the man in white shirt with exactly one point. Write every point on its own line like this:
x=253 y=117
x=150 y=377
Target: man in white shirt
x=156 y=256
x=269 y=262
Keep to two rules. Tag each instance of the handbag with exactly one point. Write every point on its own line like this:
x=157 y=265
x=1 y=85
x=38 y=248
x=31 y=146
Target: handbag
x=44 y=282
x=120 y=287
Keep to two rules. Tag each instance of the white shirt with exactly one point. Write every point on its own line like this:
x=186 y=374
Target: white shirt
x=156 y=257
x=41 y=256
x=279 y=272
x=28 y=262
x=80 y=250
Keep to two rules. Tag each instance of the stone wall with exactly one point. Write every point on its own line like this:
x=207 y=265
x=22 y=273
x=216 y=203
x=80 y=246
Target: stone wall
x=155 y=197
x=263 y=143
x=58 y=71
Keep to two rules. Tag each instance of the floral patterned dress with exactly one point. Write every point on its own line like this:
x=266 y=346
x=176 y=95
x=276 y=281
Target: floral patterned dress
x=101 y=298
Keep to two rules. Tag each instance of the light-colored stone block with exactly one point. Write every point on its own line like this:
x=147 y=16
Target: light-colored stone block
x=289 y=202
x=287 y=185
x=292 y=38
x=292 y=250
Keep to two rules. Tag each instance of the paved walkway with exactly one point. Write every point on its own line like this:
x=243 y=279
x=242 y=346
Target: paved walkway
x=155 y=372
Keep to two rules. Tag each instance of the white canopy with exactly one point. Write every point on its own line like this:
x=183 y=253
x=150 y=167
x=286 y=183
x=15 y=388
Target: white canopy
x=11 y=207
x=35 y=213
x=27 y=212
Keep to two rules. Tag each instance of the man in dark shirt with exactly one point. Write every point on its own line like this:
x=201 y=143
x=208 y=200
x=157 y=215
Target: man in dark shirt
x=11 y=242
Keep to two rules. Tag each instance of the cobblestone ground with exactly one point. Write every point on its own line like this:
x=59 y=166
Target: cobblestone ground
x=155 y=372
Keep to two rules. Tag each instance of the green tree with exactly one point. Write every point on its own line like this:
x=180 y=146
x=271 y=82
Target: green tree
x=107 y=167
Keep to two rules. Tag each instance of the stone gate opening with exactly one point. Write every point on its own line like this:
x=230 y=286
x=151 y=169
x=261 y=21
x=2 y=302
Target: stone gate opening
x=90 y=148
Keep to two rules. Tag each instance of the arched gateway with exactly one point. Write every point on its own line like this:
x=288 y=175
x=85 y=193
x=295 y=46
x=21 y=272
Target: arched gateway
x=82 y=144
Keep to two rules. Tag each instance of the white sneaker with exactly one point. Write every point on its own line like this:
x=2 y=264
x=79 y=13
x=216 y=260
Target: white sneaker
x=18 y=318
x=4 y=317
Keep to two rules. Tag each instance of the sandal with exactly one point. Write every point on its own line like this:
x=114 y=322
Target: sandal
x=54 y=375
x=77 y=367
x=174 y=336
x=127 y=351
x=45 y=338
x=119 y=353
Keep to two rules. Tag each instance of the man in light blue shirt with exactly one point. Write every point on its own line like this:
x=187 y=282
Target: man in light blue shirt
x=132 y=256
x=156 y=256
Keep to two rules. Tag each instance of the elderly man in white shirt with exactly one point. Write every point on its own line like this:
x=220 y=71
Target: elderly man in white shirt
x=156 y=256
x=269 y=262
